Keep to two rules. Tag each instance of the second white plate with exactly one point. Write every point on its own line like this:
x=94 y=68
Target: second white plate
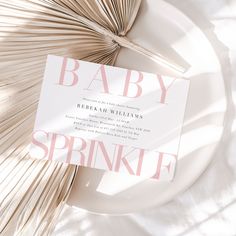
x=163 y=28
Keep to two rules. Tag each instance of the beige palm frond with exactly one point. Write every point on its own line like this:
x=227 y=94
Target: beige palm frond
x=32 y=192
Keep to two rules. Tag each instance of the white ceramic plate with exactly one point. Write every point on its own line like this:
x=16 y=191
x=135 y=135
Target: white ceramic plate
x=163 y=28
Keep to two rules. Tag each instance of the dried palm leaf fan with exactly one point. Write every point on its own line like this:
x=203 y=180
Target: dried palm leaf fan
x=32 y=192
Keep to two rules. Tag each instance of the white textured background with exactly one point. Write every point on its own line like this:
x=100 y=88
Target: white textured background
x=209 y=206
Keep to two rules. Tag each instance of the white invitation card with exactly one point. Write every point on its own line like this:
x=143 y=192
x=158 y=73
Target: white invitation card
x=109 y=118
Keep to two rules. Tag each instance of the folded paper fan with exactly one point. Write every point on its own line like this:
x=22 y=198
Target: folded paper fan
x=32 y=192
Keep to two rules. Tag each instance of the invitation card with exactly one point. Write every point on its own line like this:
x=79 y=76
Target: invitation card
x=109 y=118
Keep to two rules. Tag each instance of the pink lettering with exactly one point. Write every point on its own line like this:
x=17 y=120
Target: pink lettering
x=102 y=71
x=64 y=70
x=128 y=82
x=160 y=164
x=163 y=88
